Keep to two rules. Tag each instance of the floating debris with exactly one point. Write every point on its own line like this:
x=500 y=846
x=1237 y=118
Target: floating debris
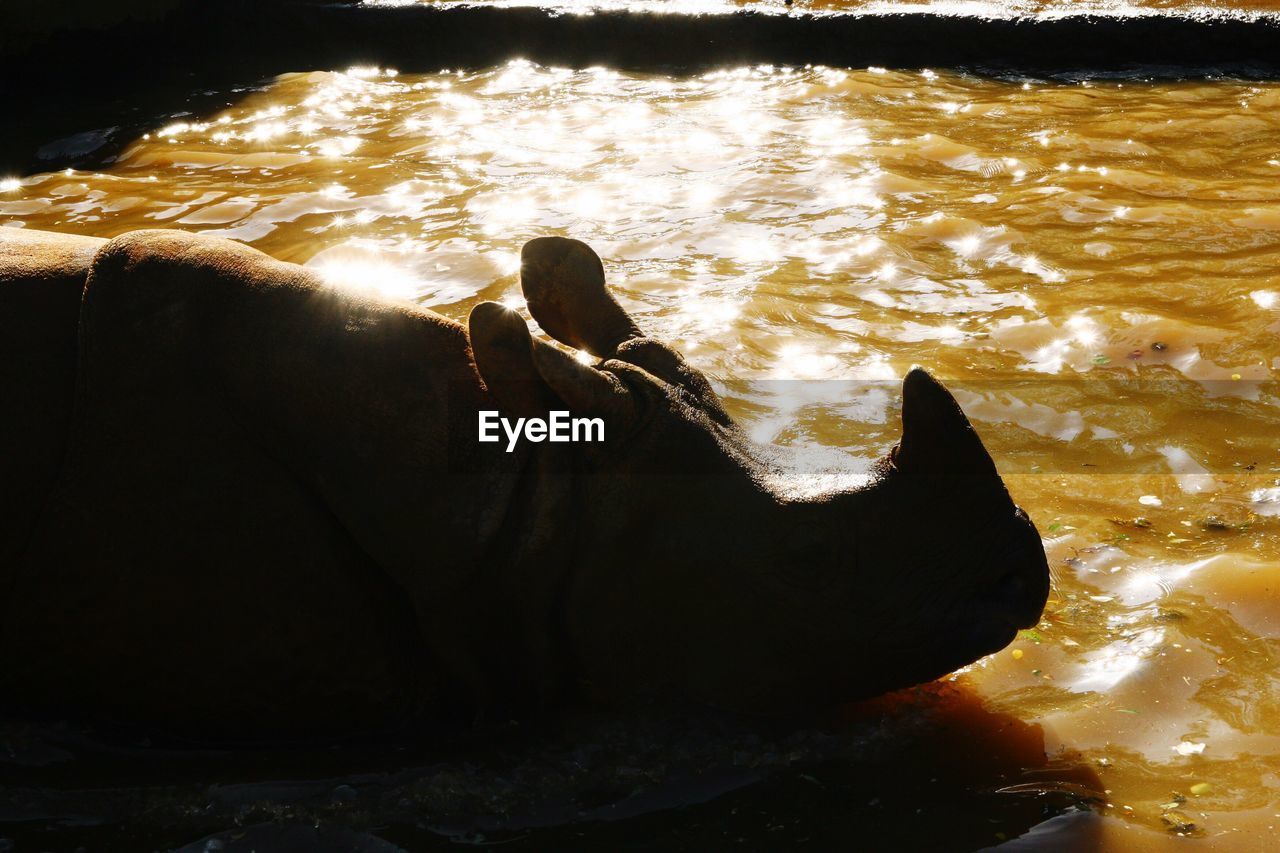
x=1177 y=821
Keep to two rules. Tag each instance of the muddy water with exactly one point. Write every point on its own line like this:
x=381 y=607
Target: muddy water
x=1093 y=266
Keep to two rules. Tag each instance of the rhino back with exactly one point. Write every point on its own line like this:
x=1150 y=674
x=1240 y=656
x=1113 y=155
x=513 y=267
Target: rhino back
x=41 y=279
x=182 y=575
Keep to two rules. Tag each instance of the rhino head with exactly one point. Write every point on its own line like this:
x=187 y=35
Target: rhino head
x=695 y=563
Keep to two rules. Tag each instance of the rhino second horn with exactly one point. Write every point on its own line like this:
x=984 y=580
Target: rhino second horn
x=563 y=283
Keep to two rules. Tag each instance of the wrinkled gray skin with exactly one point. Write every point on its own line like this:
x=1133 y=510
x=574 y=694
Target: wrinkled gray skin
x=267 y=514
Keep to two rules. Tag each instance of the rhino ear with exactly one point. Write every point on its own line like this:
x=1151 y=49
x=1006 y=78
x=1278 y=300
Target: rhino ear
x=585 y=390
x=563 y=283
x=936 y=436
x=530 y=378
x=503 y=352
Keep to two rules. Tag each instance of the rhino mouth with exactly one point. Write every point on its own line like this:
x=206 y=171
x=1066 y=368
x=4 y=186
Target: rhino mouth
x=982 y=639
x=1015 y=601
x=972 y=638
x=991 y=616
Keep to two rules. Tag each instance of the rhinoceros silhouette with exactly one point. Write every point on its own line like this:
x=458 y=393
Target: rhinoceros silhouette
x=239 y=502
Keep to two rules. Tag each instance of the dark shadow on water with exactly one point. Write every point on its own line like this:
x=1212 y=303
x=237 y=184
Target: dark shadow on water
x=924 y=769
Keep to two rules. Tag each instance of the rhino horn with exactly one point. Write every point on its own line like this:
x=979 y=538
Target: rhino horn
x=563 y=283
x=936 y=436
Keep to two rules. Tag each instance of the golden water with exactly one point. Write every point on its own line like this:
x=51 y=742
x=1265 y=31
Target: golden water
x=1094 y=267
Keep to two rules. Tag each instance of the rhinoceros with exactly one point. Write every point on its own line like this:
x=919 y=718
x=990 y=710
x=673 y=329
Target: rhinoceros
x=240 y=502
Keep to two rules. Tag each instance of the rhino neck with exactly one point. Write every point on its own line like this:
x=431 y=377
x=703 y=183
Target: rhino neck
x=470 y=532
x=658 y=557
x=502 y=634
